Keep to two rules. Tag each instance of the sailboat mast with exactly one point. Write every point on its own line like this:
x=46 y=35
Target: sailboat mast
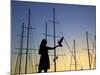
x=54 y=40
x=88 y=50
x=22 y=35
x=27 y=41
x=75 y=56
x=46 y=30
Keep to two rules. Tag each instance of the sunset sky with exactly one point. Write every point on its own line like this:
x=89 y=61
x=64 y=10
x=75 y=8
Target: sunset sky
x=72 y=22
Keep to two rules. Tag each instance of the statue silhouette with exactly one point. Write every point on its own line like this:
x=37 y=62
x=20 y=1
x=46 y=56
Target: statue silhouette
x=44 y=63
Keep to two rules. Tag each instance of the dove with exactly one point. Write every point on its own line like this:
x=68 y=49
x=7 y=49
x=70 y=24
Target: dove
x=60 y=41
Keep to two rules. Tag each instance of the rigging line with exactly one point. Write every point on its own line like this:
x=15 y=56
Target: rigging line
x=11 y=70
x=33 y=57
x=92 y=57
x=63 y=57
x=36 y=54
x=16 y=64
x=80 y=61
x=28 y=64
x=91 y=54
x=93 y=51
x=69 y=48
x=83 y=43
x=66 y=60
x=71 y=57
x=94 y=65
x=70 y=62
x=90 y=37
x=35 y=62
x=31 y=63
x=22 y=64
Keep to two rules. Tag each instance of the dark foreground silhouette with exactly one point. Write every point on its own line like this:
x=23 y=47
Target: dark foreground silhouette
x=44 y=63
